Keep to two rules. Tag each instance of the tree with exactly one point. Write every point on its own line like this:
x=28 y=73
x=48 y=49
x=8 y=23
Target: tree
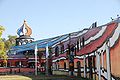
x=2 y=49
x=1 y=42
x=12 y=39
x=7 y=45
x=1 y=31
x=9 y=42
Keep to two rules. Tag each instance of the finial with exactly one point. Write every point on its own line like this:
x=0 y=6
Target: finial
x=117 y=15
x=111 y=18
x=24 y=20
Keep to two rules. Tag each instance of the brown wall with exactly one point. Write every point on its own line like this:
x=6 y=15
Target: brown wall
x=115 y=59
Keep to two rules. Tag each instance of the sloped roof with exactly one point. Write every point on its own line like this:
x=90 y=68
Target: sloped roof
x=39 y=43
x=89 y=32
x=92 y=46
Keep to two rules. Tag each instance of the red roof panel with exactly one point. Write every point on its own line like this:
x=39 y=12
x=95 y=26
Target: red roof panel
x=92 y=46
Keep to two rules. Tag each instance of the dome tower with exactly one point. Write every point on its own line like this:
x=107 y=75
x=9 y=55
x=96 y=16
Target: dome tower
x=24 y=33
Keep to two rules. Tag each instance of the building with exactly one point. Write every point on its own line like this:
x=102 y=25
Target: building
x=91 y=53
x=24 y=59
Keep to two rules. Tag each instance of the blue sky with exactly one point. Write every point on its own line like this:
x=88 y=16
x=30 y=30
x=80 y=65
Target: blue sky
x=50 y=18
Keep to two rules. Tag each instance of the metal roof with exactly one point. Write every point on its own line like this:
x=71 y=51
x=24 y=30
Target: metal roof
x=39 y=43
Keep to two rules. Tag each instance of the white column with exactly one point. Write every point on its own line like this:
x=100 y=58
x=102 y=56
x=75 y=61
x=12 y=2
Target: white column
x=47 y=66
x=96 y=62
x=79 y=44
x=99 y=70
x=36 y=59
x=47 y=54
x=84 y=66
x=108 y=62
x=102 y=59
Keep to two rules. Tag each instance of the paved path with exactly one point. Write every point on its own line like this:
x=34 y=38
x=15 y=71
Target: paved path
x=56 y=77
x=14 y=77
x=32 y=77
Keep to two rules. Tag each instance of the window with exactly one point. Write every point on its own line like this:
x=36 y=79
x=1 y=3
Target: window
x=77 y=45
x=72 y=48
x=56 y=51
x=79 y=68
x=57 y=64
x=83 y=40
x=78 y=65
x=75 y=51
x=26 y=41
x=68 y=51
x=42 y=64
x=31 y=41
x=64 y=65
x=17 y=42
x=62 y=48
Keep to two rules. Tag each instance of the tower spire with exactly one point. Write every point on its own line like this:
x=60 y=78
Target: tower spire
x=24 y=33
x=24 y=30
